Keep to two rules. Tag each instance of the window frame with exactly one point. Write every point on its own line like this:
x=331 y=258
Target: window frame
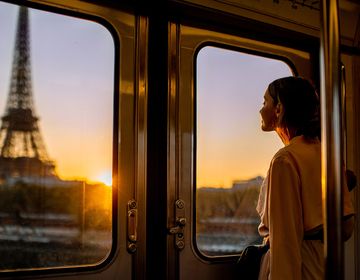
x=225 y=47
x=97 y=14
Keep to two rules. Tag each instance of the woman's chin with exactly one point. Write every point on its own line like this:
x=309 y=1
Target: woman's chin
x=265 y=128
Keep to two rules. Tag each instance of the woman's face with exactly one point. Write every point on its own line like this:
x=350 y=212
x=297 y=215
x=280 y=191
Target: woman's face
x=268 y=113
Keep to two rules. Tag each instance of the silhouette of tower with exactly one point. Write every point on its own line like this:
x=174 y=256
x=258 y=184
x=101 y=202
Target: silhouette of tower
x=22 y=151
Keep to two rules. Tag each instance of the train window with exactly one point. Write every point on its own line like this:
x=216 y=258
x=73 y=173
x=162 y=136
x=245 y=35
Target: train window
x=232 y=153
x=56 y=106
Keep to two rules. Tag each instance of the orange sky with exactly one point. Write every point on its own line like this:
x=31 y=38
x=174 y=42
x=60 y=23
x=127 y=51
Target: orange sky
x=72 y=67
x=73 y=72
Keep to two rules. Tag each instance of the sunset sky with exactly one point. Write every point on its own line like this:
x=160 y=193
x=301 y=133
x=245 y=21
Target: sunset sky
x=72 y=74
x=230 y=89
x=72 y=64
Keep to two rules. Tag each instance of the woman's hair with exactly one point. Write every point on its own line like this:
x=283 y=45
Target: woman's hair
x=300 y=103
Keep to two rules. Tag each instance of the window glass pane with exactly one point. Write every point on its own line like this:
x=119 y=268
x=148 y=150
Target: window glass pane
x=56 y=107
x=232 y=152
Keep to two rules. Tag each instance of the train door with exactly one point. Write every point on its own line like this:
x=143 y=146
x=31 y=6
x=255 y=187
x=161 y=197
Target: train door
x=350 y=126
x=349 y=115
x=210 y=219
x=72 y=107
x=220 y=156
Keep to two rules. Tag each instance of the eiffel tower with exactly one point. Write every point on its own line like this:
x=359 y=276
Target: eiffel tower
x=22 y=151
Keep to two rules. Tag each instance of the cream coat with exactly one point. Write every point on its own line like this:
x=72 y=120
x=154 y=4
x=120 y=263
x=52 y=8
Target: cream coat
x=290 y=204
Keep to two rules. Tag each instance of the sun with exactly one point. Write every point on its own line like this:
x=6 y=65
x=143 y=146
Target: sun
x=105 y=177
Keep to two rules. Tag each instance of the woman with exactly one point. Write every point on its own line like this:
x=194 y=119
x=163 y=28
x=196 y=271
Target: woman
x=290 y=200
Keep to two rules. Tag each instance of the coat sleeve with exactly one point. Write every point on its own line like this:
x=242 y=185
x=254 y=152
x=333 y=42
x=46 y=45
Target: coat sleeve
x=285 y=220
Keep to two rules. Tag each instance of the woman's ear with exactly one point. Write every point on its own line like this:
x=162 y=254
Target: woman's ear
x=279 y=110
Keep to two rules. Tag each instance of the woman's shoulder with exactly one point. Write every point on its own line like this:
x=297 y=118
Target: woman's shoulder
x=282 y=155
x=284 y=164
x=299 y=152
x=286 y=154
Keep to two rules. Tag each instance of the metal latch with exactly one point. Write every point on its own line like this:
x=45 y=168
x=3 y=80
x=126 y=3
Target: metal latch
x=178 y=229
x=131 y=226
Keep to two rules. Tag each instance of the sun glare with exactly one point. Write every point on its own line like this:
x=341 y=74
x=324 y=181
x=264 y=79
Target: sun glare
x=105 y=177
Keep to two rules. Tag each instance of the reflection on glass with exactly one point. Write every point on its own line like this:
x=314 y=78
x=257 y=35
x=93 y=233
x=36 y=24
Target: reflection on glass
x=55 y=182
x=232 y=153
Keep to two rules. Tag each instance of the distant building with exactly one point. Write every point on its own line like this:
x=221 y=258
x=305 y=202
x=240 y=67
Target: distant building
x=239 y=184
x=48 y=182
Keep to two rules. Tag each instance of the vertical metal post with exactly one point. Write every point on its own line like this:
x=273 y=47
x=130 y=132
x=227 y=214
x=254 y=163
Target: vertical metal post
x=331 y=139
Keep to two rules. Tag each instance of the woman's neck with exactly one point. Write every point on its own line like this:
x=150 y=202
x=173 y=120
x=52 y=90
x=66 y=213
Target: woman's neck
x=285 y=134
